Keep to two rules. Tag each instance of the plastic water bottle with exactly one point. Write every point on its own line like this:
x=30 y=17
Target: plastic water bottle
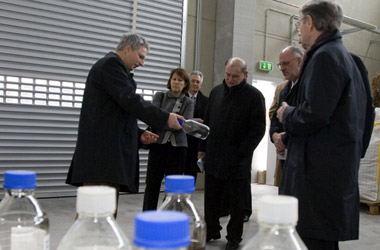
x=178 y=189
x=195 y=128
x=23 y=224
x=277 y=217
x=95 y=227
x=162 y=230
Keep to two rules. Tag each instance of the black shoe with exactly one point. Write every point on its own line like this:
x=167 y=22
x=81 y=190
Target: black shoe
x=232 y=245
x=213 y=236
x=246 y=218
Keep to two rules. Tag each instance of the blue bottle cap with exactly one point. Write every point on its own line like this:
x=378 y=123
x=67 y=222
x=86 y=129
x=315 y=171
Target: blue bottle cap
x=179 y=184
x=162 y=229
x=19 y=179
x=180 y=121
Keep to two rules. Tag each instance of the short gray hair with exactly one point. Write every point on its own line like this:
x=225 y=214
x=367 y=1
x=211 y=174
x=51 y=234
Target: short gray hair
x=238 y=61
x=134 y=40
x=327 y=15
x=295 y=51
x=196 y=73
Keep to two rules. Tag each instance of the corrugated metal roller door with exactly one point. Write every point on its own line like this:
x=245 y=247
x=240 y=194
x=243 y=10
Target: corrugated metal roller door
x=161 y=23
x=46 y=50
x=40 y=139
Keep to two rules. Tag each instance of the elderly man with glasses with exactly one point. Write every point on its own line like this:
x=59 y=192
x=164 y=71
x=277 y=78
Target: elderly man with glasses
x=290 y=61
x=329 y=126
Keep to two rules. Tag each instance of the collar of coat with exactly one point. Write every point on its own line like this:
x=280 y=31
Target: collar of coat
x=171 y=95
x=235 y=88
x=322 y=39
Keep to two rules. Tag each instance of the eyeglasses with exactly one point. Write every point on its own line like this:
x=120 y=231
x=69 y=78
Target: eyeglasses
x=279 y=65
x=297 y=24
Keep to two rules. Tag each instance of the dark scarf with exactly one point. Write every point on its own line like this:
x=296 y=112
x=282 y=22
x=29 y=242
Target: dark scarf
x=318 y=42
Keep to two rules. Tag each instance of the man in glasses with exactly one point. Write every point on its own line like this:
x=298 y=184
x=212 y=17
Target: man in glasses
x=290 y=61
x=328 y=127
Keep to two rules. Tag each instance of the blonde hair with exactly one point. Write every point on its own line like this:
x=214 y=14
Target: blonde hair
x=375 y=86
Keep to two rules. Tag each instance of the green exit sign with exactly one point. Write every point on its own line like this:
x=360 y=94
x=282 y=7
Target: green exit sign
x=267 y=66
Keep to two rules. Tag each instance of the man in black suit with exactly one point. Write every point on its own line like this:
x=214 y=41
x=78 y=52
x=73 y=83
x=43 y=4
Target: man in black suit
x=108 y=136
x=200 y=104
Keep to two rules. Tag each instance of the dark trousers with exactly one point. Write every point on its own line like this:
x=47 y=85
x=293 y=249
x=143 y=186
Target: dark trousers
x=236 y=191
x=191 y=167
x=191 y=171
x=164 y=159
x=315 y=244
x=248 y=202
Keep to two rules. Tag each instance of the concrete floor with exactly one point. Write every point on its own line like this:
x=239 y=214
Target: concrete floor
x=61 y=212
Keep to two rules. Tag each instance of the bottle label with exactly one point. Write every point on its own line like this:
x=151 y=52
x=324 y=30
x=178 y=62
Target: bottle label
x=30 y=238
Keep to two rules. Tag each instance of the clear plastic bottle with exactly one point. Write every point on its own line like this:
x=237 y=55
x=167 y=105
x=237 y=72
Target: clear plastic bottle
x=95 y=227
x=178 y=189
x=195 y=128
x=162 y=230
x=277 y=217
x=23 y=224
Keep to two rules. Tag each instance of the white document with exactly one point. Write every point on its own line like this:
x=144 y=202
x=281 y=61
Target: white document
x=200 y=163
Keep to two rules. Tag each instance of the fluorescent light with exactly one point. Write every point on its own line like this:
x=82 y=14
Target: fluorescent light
x=358 y=23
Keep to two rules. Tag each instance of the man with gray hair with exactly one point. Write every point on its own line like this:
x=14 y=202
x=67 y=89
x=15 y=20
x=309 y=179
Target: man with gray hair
x=108 y=136
x=328 y=126
x=290 y=61
x=200 y=105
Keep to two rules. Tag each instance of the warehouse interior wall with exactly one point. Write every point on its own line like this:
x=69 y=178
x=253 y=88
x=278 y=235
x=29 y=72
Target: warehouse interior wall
x=278 y=32
x=207 y=41
x=278 y=35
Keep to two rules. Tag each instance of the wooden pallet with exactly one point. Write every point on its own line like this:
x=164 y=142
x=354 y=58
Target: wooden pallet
x=373 y=207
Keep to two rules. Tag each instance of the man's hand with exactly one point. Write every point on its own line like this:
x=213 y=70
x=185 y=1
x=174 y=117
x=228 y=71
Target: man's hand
x=280 y=111
x=201 y=154
x=200 y=120
x=278 y=143
x=148 y=137
x=173 y=121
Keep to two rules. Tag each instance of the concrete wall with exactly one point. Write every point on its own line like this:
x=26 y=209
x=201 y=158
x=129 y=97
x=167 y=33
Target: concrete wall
x=278 y=35
x=279 y=32
x=207 y=42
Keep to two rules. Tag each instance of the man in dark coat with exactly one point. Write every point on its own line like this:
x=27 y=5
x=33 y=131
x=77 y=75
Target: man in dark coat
x=236 y=117
x=107 y=146
x=290 y=65
x=327 y=129
x=200 y=105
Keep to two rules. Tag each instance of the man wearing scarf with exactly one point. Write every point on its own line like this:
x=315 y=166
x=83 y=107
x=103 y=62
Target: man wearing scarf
x=328 y=127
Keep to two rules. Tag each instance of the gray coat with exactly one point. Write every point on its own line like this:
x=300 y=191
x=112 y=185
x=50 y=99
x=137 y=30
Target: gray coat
x=166 y=101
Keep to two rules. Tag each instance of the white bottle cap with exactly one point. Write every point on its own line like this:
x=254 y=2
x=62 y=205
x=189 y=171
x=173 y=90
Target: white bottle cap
x=96 y=199
x=278 y=209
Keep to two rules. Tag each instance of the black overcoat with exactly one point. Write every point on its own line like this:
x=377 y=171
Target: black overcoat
x=327 y=128
x=107 y=144
x=236 y=117
x=288 y=95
